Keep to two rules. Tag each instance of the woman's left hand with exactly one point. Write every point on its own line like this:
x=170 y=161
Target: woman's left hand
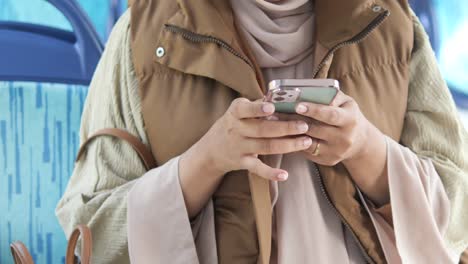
x=341 y=133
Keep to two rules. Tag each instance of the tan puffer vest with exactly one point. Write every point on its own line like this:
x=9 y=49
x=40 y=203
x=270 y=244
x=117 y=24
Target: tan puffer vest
x=191 y=63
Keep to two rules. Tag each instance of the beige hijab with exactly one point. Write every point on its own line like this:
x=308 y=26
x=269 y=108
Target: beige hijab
x=268 y=25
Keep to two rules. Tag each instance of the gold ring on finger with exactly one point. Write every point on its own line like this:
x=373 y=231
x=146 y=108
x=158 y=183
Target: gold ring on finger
x=316 y=151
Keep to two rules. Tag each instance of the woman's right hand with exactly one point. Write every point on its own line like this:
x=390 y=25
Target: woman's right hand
x=249 y=129
x=234 y=143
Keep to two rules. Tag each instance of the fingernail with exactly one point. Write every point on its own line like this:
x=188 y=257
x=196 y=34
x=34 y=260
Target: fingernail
x=282 y=176
x=307 y=142
x=302 y=127
x=272 y=118
x=268 y=108
x=301 y=108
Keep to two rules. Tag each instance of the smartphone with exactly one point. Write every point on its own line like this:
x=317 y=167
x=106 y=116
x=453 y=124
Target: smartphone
x=286 y=93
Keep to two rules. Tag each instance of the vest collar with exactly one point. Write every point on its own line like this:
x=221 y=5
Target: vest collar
x=337 y=20
x=210 y=17
x=338 y=23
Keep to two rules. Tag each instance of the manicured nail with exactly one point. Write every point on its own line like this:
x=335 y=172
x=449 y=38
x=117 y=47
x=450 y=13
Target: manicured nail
x=302 y=127
x=282 y=176
x=268 y=108
x=301 y=109
x=307 y=142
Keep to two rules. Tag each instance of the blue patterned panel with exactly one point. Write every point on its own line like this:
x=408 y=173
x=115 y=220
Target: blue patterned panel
x=39 y=137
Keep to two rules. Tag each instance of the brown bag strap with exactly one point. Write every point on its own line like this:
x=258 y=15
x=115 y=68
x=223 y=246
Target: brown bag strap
x=20 y=253
x=143 y=152
x=86 y=245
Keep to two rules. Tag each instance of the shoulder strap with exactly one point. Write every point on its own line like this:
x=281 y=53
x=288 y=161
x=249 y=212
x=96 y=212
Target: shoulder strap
x=143 y=152
x=86 y=245
x=20 y=253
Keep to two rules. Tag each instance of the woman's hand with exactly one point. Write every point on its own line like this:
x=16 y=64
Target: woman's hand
x=341 y=133
x=244 y=132
x=234 y=143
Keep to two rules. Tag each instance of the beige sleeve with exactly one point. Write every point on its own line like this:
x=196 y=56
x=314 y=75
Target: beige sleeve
x=97 y=191
x=433 y=130
x=420 y=210
x=159 y=229
x=127 y=208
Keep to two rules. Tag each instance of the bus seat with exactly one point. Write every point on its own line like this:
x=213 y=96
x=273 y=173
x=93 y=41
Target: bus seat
x=44 y=73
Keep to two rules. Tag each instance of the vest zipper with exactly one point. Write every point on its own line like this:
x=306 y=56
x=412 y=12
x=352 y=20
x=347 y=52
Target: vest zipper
x=337 y=213
x=356 y=39
x=198 y=38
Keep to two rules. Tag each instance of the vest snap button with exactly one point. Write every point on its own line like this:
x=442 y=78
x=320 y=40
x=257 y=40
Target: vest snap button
x=377 y=8
x=160 y=52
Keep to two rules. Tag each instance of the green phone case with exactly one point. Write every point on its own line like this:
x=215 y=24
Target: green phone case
x=317 y=95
